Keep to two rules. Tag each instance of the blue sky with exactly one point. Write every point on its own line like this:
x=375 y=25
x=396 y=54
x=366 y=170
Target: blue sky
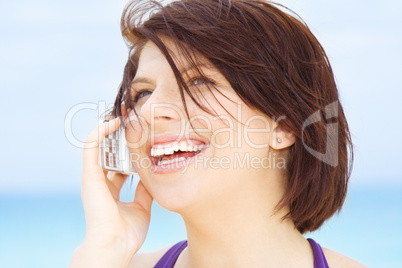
x=55 y=55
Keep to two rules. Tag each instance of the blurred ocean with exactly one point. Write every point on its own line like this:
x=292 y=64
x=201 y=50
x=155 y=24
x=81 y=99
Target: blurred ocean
x=43 y=231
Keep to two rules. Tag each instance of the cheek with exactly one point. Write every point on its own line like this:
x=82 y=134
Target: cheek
x=136 y=135
x=257 y=135
x=253 y=132
x=223 y=135
x=256 y=129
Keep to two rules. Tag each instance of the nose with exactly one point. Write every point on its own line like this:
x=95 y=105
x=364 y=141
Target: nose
x=164 y=106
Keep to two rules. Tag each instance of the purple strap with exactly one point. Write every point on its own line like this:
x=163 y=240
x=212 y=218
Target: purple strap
x=169 y=259
x=319 y=257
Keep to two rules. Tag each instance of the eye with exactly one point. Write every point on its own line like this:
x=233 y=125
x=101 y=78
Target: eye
x=201 y=80
x=141 y=94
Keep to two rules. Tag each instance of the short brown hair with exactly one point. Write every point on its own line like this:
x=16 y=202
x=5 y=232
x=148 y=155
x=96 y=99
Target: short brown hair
x=276 y=65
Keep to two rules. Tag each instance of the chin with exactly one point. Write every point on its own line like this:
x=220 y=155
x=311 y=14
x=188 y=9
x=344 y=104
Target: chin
x=176 y=193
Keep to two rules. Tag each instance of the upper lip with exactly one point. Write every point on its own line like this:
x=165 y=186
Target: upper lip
x=173 y=138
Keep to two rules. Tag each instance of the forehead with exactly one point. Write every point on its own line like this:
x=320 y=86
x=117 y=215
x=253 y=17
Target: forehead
x=152 y=58
x=150 y=53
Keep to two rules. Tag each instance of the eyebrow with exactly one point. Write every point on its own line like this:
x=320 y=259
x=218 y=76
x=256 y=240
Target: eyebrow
x=142 y=80
x=190 y=68
x=185 y=70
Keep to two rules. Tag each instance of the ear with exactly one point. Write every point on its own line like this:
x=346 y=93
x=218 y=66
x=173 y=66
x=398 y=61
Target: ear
x=281 y=139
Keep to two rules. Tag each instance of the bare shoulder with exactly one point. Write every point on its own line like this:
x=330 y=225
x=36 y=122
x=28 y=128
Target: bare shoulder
x=147 y=260
x=336 y=260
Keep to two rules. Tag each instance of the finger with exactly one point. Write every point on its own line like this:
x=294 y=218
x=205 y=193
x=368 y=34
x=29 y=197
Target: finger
x=143 y=197
x=94 y=189
x=91 y=146
x=126 y=114
x=129 y=116
x=124 y=110
x=115 y=183
x=112 y=190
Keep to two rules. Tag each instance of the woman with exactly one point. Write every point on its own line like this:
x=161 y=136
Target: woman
x=234 y=107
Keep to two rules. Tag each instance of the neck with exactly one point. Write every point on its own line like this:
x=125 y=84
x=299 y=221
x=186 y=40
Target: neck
x=234 y=232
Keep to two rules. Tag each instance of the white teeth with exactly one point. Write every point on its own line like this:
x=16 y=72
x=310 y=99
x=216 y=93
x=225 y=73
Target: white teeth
x=175 y=160
x=159 y=151
x=183 y=146
x=176 y=147
x=169 y=149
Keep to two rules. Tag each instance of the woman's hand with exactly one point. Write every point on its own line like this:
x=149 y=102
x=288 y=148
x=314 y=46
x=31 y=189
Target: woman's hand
x=115 y=230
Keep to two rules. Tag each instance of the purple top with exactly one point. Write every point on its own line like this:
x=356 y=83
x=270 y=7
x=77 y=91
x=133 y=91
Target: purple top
x=319 y=257
x=169 y=259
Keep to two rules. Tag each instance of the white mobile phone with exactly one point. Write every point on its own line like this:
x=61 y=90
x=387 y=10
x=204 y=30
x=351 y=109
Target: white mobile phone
x=115 y=155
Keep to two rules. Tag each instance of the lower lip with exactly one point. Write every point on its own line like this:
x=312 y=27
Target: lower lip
x=176 y=166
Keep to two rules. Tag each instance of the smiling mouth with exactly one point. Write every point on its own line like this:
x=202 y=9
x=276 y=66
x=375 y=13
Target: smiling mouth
x=166 y=154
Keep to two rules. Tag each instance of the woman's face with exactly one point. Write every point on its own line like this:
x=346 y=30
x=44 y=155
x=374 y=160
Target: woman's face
x=216 y=157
